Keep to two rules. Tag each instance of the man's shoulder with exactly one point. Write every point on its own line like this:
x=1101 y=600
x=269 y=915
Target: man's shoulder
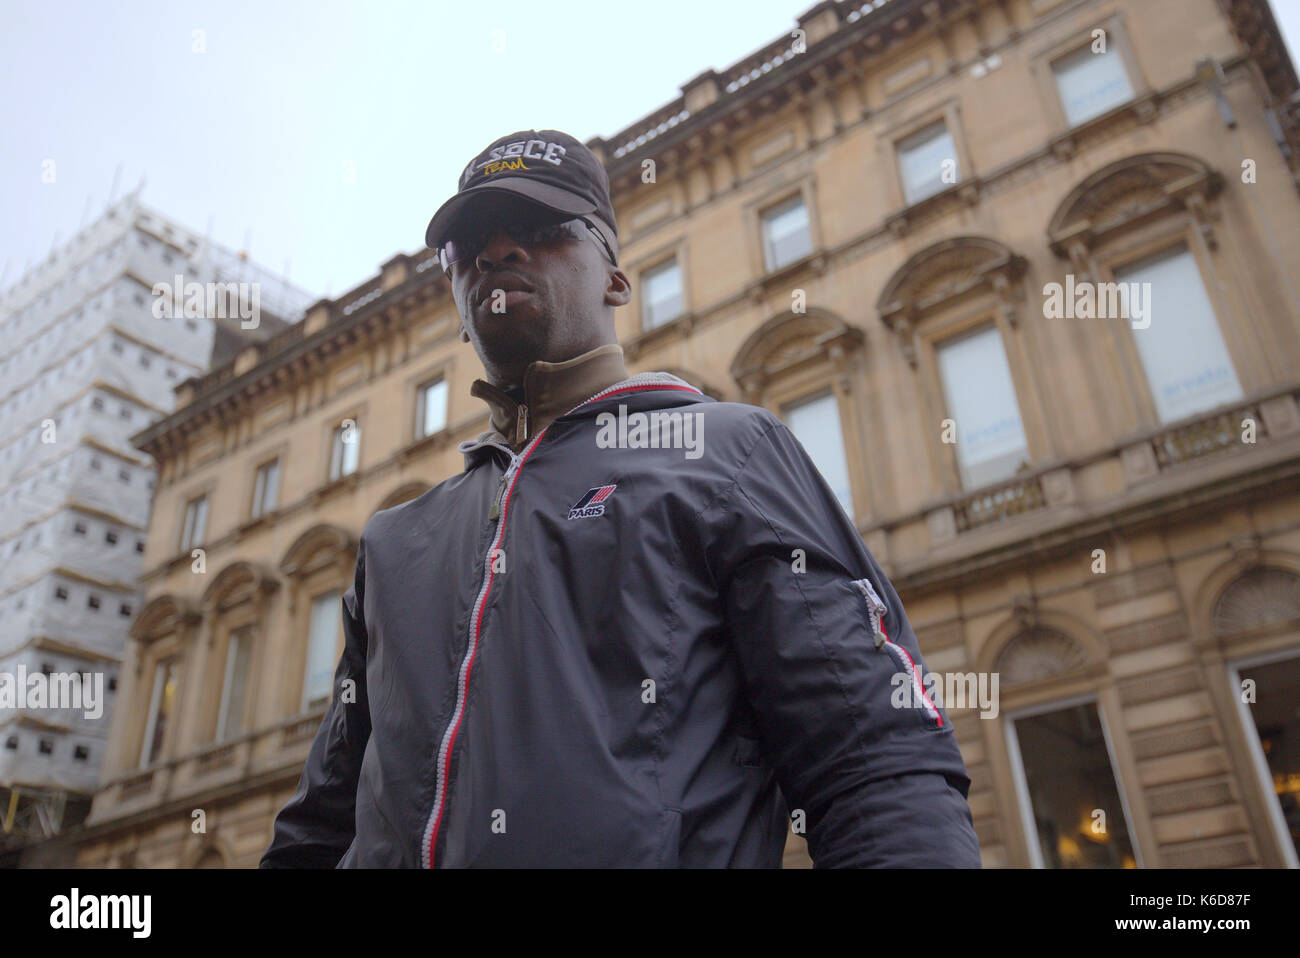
x=399 y=519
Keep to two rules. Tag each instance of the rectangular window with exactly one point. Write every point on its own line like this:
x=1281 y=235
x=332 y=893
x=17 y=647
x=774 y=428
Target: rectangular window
x=661 y=294
x=1182 y=350
x=230 y=717
x=266 y=488
x=927 y=162
x=344 y=449
x=433 y=407
x=161 y=704
x=322 y=649
x=1276 y=721
x=1069 y=796
x=981 y=401
x=815 y=423
x=194 y=528
x=1090 y=83
x=787 y=235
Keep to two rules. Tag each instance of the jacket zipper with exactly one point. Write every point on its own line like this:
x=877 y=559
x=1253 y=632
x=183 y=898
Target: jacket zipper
x=876 y=610
x=497 y=514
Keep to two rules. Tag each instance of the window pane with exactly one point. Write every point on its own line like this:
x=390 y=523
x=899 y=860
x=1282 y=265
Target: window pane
x=923 y=158
x=350 y=450
x=322 y=647
x=196 y=518
x=433 y=407
x=336 y=454
x=786 y=235
x=230 y=720
x=1090 y=83
x=661 y=290
x=982 y=402
x=1069 y=777
x=266 y=488
x=1277 y=722
x=1182 y=350
x=160 y=709
x=816 y=424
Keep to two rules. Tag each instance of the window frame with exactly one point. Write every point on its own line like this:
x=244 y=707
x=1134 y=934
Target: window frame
x=766 y=214
x=805 y=399
x=259 y=508
x=937 y=345
x=335 y=441
x=172 y=661
x=1024 y=804
x=673 y=260
x=949 y=113
x=1258 y=761
x=899 y=152
x=422 y=430
x=306 y=705
x=806 y=187
x=1042 y=58
x=189 y=537
x=1138 y=245
x=242 y=633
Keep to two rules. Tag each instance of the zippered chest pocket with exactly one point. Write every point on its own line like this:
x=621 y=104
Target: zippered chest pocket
x=914 y=693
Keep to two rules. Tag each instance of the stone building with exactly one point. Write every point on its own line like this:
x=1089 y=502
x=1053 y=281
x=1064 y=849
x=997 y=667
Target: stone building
x=1019 y=274
x=86 y=361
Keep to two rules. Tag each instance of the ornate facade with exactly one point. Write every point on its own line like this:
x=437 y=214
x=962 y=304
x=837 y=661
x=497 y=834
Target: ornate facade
x=866 y=227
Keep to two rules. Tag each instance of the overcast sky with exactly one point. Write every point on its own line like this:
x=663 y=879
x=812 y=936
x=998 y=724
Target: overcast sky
x=258 y=135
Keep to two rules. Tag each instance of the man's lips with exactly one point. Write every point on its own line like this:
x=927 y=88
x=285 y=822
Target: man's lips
x=506 y=282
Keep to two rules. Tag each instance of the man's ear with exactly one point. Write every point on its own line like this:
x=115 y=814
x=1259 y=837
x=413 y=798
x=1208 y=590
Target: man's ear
x=618 y=288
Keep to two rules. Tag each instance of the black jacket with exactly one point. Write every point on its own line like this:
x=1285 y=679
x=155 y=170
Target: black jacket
x=637 y=655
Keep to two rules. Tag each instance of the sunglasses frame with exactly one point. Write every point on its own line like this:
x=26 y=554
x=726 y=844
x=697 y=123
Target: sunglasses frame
x=446 y=266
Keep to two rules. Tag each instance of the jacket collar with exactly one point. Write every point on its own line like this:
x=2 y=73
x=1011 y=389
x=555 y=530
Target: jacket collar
x=549 y=390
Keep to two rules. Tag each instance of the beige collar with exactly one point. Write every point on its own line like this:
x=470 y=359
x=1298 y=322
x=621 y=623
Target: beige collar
x=549 y=391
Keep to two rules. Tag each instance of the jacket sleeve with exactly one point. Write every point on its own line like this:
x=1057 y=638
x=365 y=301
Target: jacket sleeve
x=834 y=673
x=316 y=826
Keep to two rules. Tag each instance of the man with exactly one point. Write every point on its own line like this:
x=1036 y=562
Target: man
x=637 y=631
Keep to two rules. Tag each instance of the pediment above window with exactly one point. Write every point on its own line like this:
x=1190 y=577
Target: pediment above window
x=1129 y=192
x=944 y=273
x=404 y=493
x=791 y=341
x=1262 y=597
x=238 y=583
x=164 y=616
x=1039 y=653
x=319 y=548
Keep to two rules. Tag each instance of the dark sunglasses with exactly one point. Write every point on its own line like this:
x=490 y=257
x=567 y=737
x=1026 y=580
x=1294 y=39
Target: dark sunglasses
x=460 y=249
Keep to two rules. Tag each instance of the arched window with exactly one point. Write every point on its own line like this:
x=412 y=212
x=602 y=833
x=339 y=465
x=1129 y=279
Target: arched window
x=162 y=635
x=1140 y=237
x=319 y=567
x=802 y=366
x=954 y=308
x=235 y=608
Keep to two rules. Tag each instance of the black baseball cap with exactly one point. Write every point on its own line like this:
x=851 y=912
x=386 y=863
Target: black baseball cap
x=545 y=167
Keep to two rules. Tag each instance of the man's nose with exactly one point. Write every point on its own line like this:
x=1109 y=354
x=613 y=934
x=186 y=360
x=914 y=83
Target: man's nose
x=500 y=248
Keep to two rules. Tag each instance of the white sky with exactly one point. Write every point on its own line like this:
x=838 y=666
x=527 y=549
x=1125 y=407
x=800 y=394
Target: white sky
x=253 y=136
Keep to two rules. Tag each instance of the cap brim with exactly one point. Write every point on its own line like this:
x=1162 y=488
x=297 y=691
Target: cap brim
x=543 y=194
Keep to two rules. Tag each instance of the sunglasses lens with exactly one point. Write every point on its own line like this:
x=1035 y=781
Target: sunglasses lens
x=530 y=230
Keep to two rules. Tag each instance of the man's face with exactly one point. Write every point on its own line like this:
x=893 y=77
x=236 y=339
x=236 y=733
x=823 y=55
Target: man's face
x=524 y=301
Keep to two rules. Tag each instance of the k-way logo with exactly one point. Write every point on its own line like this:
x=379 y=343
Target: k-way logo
x=592 y=502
